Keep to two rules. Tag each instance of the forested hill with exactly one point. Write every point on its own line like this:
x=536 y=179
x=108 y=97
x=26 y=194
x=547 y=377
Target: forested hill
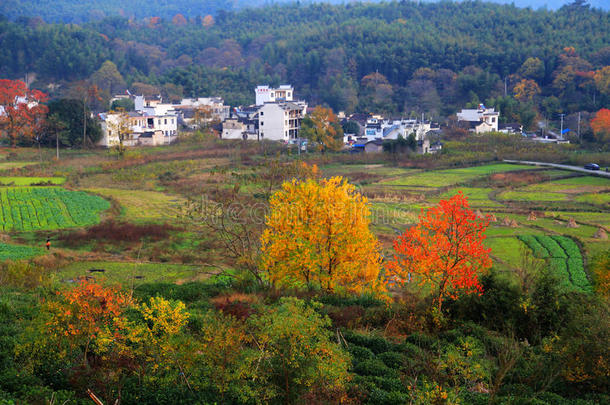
x=78 y=11
x=395 y=57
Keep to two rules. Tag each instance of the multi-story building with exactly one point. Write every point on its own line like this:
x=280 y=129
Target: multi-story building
x=276 y=116
x=280 y=121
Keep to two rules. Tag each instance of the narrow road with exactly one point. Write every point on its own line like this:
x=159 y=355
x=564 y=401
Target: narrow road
x=600 y=173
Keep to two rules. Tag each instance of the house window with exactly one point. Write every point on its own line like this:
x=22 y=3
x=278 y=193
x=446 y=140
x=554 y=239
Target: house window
x=262 y=123
x=262 y=113
x=493 y=119
x=166 y=121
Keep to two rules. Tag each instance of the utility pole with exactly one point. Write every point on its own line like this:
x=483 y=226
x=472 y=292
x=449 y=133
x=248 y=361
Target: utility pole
x=561 y=131
x=505 y=87
x=57 y=144
x=579 y=140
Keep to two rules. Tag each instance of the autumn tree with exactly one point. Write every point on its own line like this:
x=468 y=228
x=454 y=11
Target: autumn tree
x=119 y=129
x=179 y=20
x=103 y=336
x=526 y=90
x=296 y=354
x=22 y=113
x=323 y=129
x=600 y=124
x=207 y=21
x=317 y=235
x=602 y=80
x=444 y=250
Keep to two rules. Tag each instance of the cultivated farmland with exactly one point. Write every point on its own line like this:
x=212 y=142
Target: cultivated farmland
x=27 y=209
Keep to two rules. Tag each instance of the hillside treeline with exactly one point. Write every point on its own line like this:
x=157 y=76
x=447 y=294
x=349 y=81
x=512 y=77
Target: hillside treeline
x=399 y=57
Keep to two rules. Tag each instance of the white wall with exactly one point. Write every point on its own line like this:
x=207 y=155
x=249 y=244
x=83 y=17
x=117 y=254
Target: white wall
x=272 y=123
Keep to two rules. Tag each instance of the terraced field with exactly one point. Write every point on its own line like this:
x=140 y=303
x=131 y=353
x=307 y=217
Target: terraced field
x=29 y=181
x=443 y=178
x=564 y=258
x=29 y=208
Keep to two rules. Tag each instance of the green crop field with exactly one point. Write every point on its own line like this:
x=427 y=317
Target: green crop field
x=443 y=178
x=564 y=258
x=28 y=181
x=27 y=209
x=532 y=196
x=16 y=252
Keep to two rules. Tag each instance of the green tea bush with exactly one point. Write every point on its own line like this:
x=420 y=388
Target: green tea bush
x=360 y=353
x=393 y=360
x=374 y=367
x=375 y=343
x=381 y=397
x=389 y=384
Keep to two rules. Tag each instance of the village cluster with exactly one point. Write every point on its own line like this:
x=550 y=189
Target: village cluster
x=277 y=116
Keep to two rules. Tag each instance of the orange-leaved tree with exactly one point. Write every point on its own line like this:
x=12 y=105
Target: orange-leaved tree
x=22 y=112
x=600 y=125
x=102 y=335
x=89 y=312
x=317 y=235
x=444 y=250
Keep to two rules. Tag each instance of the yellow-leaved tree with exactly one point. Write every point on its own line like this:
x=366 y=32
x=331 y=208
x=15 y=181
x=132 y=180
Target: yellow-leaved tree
x=317 y=235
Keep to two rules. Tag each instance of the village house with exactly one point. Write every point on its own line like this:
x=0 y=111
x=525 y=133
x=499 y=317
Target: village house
x=276 y=116
x=479 y=120
x=139 y=123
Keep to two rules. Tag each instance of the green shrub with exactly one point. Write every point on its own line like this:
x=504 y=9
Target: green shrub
x=381 y=397
x=393 y=360
x=422 y=340
x=23 y=274
x=375 y=343
x=360 y=353
x=374 y=367
x=389 y=384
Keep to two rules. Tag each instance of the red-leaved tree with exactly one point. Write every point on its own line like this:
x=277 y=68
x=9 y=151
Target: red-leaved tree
x=21 y=112
x=601 y=125
x=445 y=250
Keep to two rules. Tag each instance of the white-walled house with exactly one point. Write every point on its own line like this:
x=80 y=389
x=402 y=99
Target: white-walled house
x=266 y=94
x=139 y=123
x=379 y=128
x=280 y=121
x=480 y=120
x=276 y=116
